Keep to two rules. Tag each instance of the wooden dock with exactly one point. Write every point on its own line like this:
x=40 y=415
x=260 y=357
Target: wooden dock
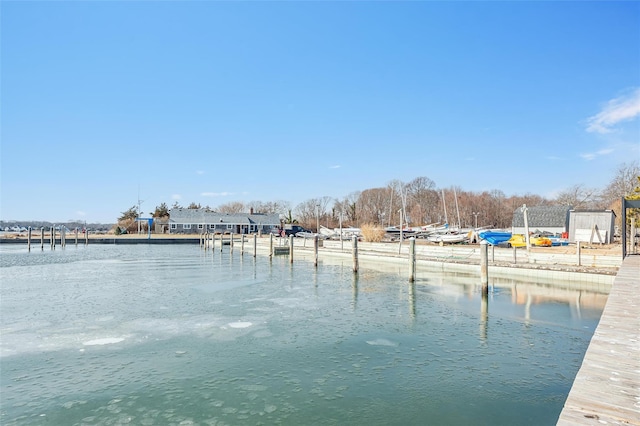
x=607 y=387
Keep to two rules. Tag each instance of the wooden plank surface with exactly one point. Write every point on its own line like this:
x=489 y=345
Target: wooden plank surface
x=607 y=387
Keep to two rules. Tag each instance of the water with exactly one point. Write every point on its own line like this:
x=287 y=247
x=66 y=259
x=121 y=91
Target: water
x=173 y=335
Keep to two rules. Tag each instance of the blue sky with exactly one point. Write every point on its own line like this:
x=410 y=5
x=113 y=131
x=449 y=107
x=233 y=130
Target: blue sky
x=220 y=101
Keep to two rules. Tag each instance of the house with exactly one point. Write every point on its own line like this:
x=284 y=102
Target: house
x=200 y=221
x=542 y=219
x=594 y=226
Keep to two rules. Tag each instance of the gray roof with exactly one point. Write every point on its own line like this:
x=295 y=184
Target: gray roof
x=542 y=216
x=206 y=216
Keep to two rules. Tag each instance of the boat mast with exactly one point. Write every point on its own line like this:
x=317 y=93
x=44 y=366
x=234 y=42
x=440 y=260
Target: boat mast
x=455 y=196
x=444 y=205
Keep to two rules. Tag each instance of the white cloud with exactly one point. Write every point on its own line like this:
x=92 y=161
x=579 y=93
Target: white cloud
x=337 y=166
x=622 y=108
x=176 y=197
x=588 y=156
x=592 y=155
x=216 y=194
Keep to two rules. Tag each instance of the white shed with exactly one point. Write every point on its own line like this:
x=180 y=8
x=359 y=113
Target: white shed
x=593 y=226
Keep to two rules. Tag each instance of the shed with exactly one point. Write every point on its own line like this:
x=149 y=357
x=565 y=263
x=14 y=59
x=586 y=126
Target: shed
x=583 y=225
x=542 y=219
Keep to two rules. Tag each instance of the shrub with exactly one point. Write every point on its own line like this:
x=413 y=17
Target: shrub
x=371 y=232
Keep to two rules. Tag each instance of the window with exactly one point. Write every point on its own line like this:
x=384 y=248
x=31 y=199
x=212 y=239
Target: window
x=174 y=226
x=186 y=226
x=200 y=226
x=229 y=226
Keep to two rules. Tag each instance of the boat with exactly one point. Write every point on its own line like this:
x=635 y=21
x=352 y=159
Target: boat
x=495 y=237
x=453 y=237
x=518 y=240
x=558 y=241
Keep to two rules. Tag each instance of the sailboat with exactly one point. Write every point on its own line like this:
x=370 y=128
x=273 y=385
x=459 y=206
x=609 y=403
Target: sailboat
x=448 y=235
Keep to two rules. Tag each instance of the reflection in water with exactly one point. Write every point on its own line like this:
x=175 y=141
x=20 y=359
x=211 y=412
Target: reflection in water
x=167 y=336
x=484 y=315
x=354 y=289
x=412 y=300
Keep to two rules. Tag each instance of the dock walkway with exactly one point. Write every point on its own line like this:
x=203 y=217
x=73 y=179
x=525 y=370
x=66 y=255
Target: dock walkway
x=607 y=387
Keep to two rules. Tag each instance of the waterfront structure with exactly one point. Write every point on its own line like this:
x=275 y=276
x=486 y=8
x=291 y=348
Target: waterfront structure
x=542 y=219
x=200 y=221
x=594 y=226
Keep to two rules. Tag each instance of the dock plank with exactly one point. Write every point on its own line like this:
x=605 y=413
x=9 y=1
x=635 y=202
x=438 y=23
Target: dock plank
x=606 y=389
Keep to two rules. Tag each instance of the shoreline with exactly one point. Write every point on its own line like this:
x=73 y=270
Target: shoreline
x=598 y=259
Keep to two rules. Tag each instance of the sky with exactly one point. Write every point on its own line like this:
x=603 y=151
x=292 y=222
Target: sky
x=104 y=103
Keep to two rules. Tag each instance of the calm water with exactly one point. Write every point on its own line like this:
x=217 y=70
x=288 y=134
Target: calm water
x=173 y=335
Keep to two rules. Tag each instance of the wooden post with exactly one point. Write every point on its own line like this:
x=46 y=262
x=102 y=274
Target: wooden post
x=29 y=239
x=76 y=230
x=270 y=245
x=221 y=241
x=53 y=237
x=63 y=236
x=290 y=248
x=526 y=227
x=315 y=250
x=242 y=244
x=412 y=259
x=493 y=253
x=86 y=236
x=514 y=255
x=255 y=244
x=231 y=242
x=578 y=253
x=354 y=251
x=42 y=238
x=484 y=266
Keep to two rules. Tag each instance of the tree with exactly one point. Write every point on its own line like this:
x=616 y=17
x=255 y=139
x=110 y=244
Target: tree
x=130 y=214
x=373 y=205
x=421 y=199
x=288 y=217
x=623 y=183
x=233 y=207
x=161 y=211
x=195 y=206
x=578 y=197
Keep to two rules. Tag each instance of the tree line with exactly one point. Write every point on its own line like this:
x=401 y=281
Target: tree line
x=419 y=202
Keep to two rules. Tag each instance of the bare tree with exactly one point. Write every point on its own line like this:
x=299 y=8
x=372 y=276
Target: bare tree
x=623 y=183
x=347 y=206
x=578 y=196
x=232 y=207
x=421 y=197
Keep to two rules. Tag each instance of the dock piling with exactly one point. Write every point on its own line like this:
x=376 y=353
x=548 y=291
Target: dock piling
x=290 y=248
x=484 y=266
x=354 y=252
x=412 y=259
x=255 y=244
